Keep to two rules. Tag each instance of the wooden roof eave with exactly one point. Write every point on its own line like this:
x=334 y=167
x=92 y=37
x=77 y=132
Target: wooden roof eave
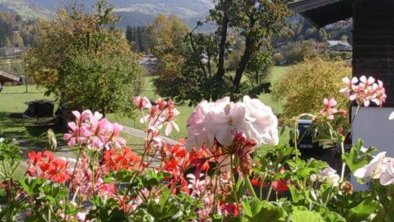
x=323 y=12
x=8 y=77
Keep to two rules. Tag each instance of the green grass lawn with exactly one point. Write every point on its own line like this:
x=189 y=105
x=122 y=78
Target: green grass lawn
x=14 y=98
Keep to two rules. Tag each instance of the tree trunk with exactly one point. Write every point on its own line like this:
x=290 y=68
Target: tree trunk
x=223 y=39
x=242 y=64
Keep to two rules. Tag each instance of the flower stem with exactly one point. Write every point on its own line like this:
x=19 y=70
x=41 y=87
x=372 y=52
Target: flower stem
x=269 y=192
x=249 y=186
x=343 y=162
x=69 y=190
x=295 y=129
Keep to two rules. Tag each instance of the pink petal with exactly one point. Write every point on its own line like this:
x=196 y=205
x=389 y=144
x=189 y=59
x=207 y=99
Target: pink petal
x=168 y=129
x=76 y=114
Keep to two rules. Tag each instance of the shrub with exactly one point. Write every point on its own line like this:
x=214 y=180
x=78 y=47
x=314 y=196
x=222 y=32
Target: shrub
x=308 y=83
x=299 y=51
x=107 y=84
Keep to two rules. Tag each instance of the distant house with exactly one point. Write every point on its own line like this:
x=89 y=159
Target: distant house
x=337 y=45
x=150 y=63
x=11 y=51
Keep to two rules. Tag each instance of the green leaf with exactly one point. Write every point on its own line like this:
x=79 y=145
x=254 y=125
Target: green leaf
x=356 y=158
x=163 y=200
x=330 y=216
x=258 y=210
x=252 y=207
x=301 y=215
x=362 y=211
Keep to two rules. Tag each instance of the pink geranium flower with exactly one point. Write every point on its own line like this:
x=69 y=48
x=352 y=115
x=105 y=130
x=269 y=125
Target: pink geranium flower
x=141 y=102
x=93 y=131
x=197 y=134
x=329 y=109
x=219 y=122
x=366 y=91
x=114 y=136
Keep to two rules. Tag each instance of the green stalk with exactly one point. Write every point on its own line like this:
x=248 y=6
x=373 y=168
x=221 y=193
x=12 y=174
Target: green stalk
x=295 y=129
x=232 y=160
x=249 y=186
x=269 y=192
x=342 y=143
x=67 y=196
x=343 y=162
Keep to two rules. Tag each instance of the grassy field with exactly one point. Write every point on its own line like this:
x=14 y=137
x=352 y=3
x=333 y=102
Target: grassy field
x=13 y=101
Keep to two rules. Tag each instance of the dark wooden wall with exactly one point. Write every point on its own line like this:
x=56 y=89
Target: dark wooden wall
x=373 y=42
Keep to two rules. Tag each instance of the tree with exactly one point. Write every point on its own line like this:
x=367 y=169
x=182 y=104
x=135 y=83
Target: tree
x=165 y=40
x=204 y=72
x=130 y=36
x=17 y=40
x=84 y=61
x=136 y=36
x=165 y=34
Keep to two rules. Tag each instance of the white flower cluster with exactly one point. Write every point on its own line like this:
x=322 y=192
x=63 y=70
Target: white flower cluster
x=222 y=119
x=380 y=167
x=327 y=175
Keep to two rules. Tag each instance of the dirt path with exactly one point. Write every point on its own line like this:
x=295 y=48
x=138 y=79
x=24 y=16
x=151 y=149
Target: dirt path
x=142 y=134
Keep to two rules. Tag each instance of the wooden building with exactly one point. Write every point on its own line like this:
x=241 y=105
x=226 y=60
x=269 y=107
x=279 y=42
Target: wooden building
x=7 y=77
x=373 y=55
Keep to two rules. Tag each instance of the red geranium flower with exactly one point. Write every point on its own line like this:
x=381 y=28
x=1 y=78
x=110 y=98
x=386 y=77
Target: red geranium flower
x=117 y=159
x=47 y=166
x=230 y=209
x=257 y=182
x=280 y=185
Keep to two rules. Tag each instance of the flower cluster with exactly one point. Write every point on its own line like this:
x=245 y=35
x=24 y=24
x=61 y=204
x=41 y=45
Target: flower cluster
x=219 y=121
x=364 y=90
x=327 y=175
x=380 y=167
x=279 y=185
x=94 y=131
x=329 y=109
x=209 y=189
x=82 y=177
x=160 y=114
x=117 y=159
x=46 y=165
x=175 y=161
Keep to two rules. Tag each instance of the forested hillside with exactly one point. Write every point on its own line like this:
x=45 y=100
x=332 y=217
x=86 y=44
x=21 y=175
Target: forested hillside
x=15 y=31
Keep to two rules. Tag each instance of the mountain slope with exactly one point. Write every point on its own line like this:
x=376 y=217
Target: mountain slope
x=183 y=8
x=133 y=12
x=23 y=8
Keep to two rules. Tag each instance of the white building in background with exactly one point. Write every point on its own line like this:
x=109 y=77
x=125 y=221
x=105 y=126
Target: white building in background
x=337 y=45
